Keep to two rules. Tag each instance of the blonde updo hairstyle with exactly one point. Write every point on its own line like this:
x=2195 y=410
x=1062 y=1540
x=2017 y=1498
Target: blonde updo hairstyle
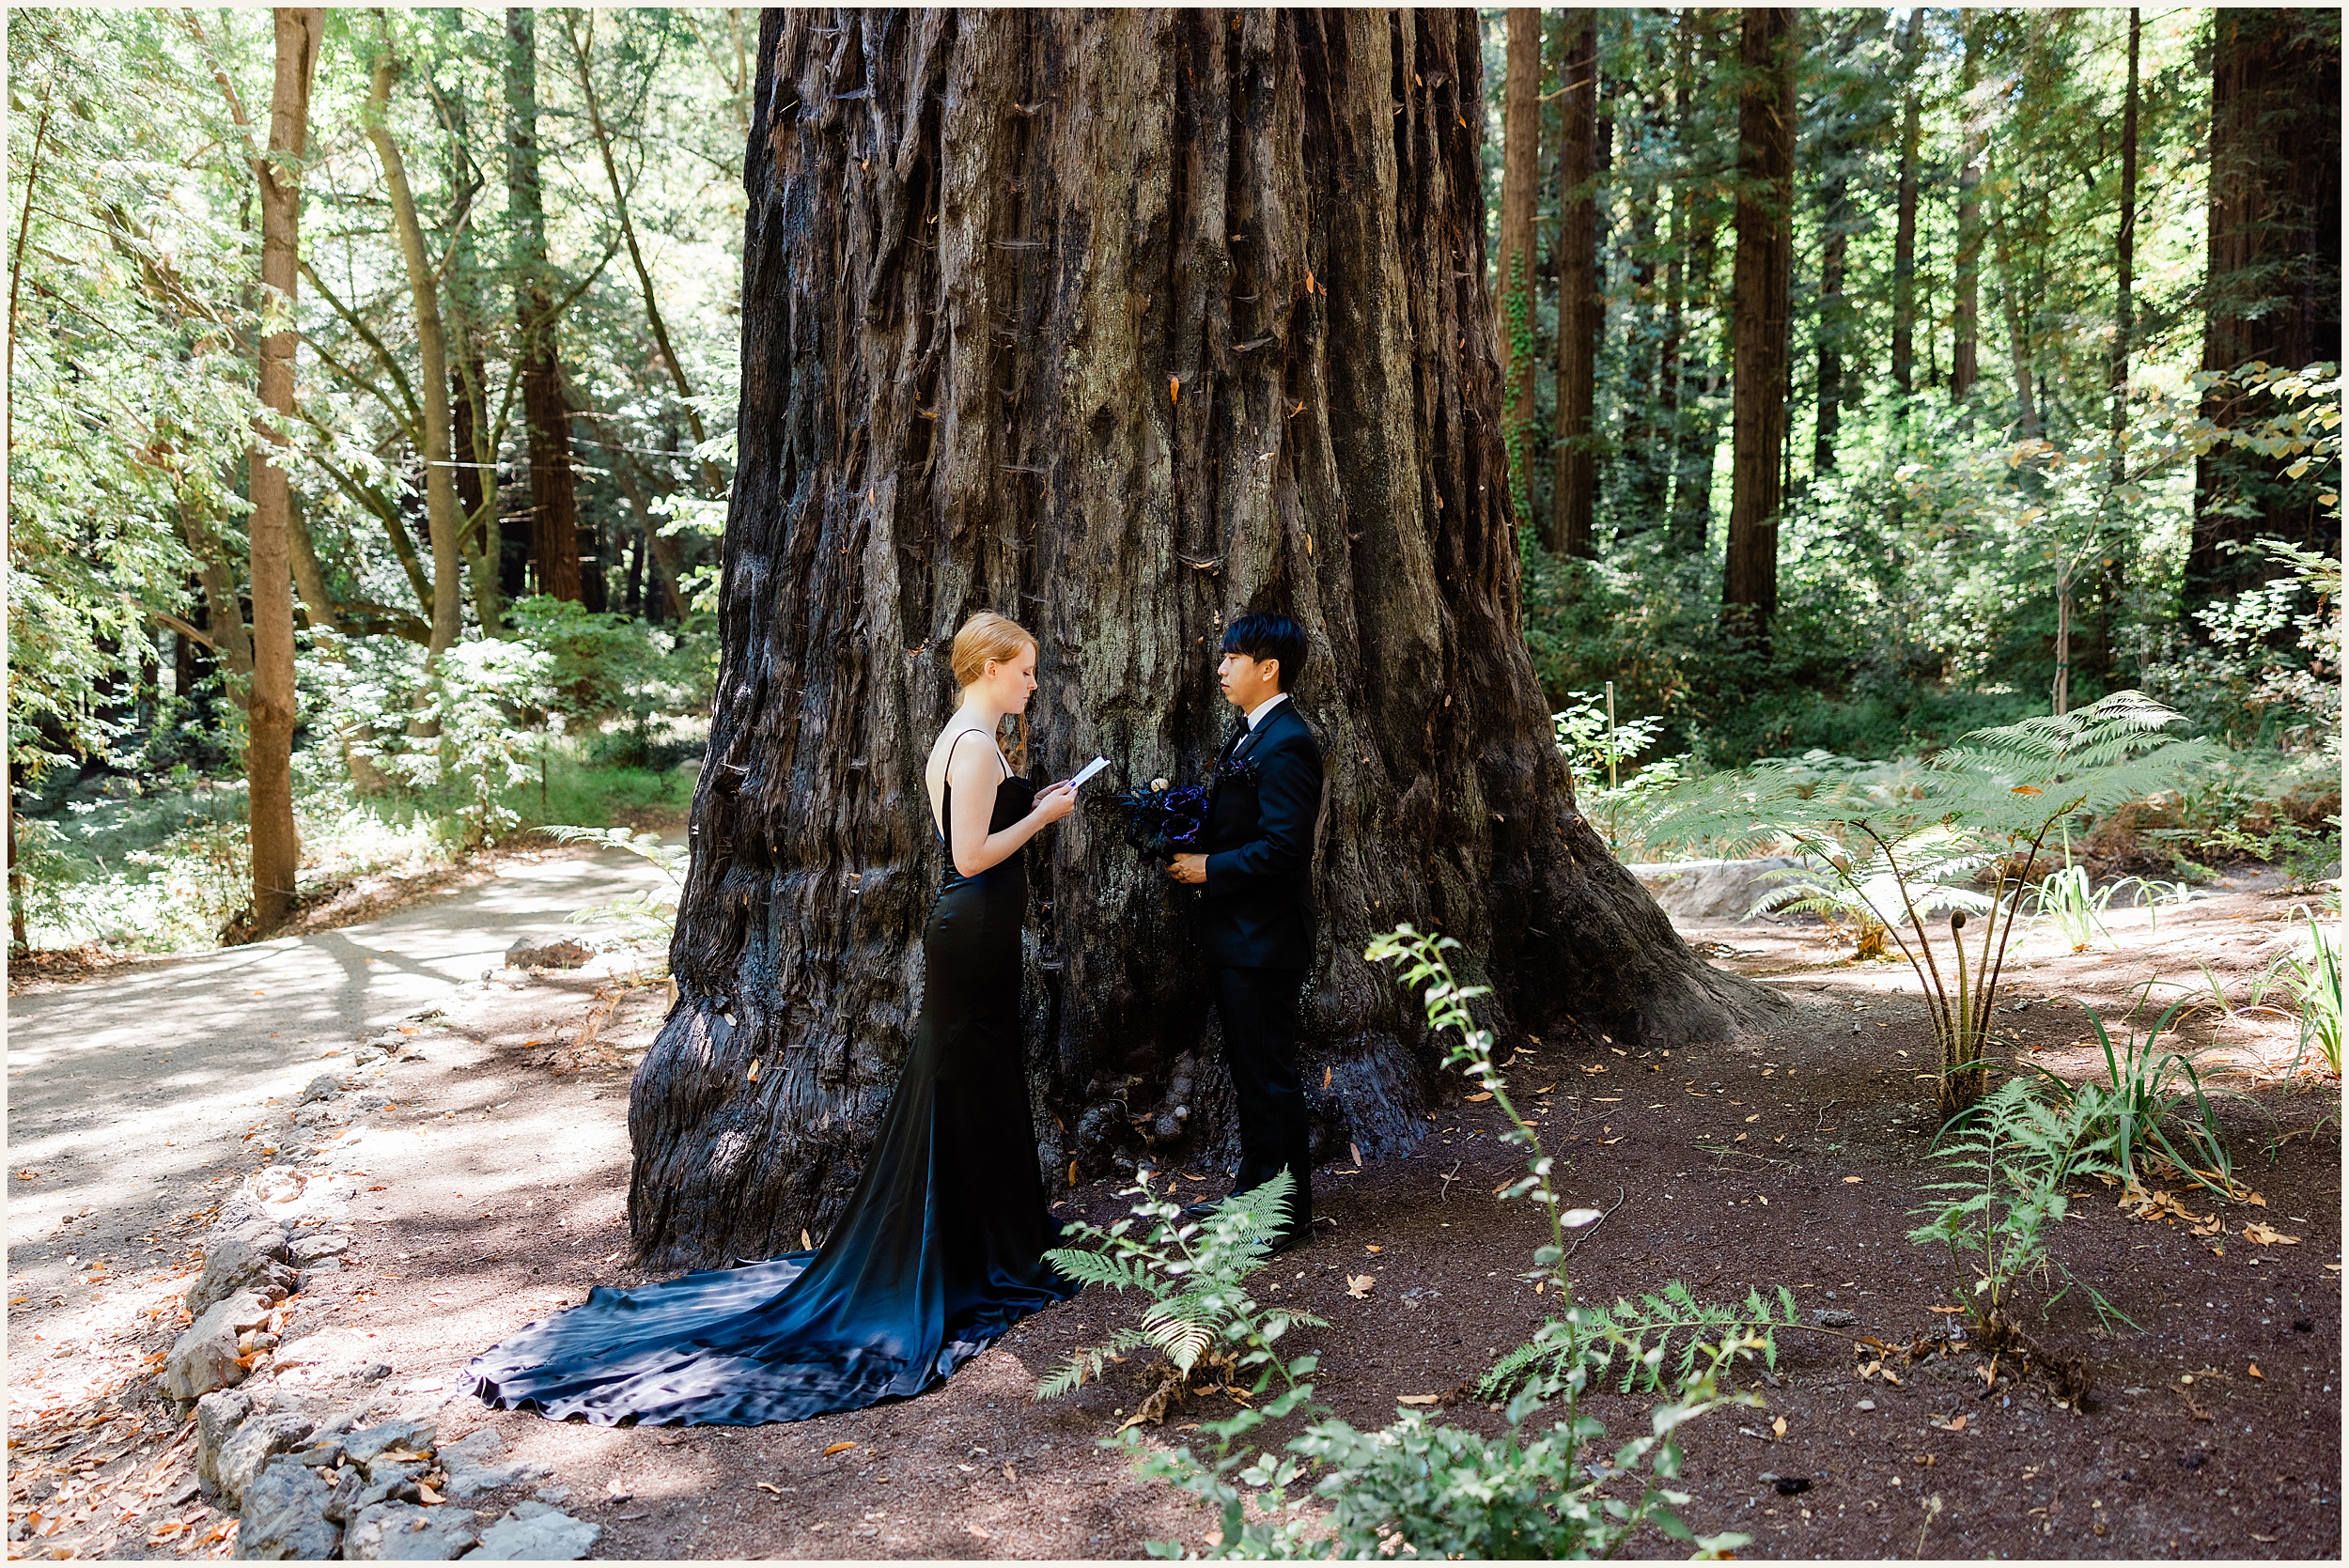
x=985 y=637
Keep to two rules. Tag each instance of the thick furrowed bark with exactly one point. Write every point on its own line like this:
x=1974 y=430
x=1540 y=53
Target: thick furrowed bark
x=1123 y=323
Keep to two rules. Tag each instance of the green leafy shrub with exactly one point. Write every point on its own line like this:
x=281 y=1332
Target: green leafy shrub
x=2010 y=1157
x=474 y=747
x=2146 y=1094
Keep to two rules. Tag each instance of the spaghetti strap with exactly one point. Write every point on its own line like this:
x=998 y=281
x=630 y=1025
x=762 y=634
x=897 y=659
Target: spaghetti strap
x=946 y=790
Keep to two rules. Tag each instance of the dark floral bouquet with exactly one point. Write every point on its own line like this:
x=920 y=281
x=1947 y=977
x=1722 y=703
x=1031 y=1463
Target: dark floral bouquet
x=1163 y=821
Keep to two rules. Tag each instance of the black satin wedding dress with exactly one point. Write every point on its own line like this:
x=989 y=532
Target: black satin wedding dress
x=939 y=1251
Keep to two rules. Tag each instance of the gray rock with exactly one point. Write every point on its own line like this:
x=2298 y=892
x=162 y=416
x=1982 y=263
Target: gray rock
x=472 y=1482
x=533 y=1532
x=218 y=1415
x=244 y=1455
x=402 y=1532
x=409 y=1436
x=251 y=1258
x=474 y=1448
x=284 y=1517
x=323 y=1087
x=562 y=954
x=1723 y=892
x=310 y=1248
x=204 y=1357
x=1835 y=1317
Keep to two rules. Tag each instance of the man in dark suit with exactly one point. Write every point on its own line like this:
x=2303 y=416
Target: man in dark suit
x=1258 y=917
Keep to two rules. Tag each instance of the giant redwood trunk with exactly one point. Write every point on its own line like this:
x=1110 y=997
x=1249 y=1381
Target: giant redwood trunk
x=1760 y=301
x=1123 y=323
x=2274 y=280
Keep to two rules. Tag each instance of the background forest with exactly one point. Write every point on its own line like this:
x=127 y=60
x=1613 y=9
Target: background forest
x=1876 y=375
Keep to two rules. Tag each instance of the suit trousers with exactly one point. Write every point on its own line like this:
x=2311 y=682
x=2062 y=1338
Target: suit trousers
x=1259 y=1009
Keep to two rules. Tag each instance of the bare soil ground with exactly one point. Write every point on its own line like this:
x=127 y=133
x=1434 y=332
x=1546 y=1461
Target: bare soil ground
x=494 y=1186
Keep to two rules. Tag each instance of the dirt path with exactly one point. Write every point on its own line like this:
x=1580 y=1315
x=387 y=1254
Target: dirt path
x=490 y=1188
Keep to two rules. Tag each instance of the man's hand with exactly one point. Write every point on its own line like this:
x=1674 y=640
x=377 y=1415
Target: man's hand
x=1192 y=869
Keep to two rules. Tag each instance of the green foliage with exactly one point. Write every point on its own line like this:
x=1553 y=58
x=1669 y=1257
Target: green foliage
x=2010 y=1157
x=652 y=911
x=472 y=747
x=1419 y=1489
x=1992 y=802
x=2145 y=1096
x=2315 y=981
x=1201 y=1314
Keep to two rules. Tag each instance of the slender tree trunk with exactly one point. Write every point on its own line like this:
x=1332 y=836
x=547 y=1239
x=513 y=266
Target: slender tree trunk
x=1674 y=191
x=440 y=490
x=1834 y=254
x=1513 y=283
x=1646 y=466
x=1760 y=301
x=1963 y=360
x=1905 y=224
x=275 y=843
x=2017 y=327
x=668 y=554
x=1120 y=500
x=2273 y=287
x=1574 y=491
x=581 y=63
x=2124 y=263
x=1699 y=381
x=553 y=495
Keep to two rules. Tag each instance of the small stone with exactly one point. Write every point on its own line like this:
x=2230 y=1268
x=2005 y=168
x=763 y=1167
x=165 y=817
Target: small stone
x=533 y=1532
x=1867 y=1404
x=323 y=1087
x=474 y=1448
x=204 y=1357
x=402 y=1532
x=310 y=1248
x=553 y=1496
x=284 y=1517
x=249 y=1259
x=562 y=954
x=218 y=1415
x=375 y=1372
x=260 y=1439
x=1835 y=1317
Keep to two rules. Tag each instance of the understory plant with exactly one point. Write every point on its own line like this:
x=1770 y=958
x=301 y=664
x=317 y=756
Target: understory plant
x=1987 y=807
x=2008 y=1160
x=1417 y=1488
x=2315 y=982
x=1202 y=1319
x=2147 y=1093
x=652 y=910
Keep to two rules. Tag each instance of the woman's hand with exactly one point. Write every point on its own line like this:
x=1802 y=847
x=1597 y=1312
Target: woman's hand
x=1053 y=803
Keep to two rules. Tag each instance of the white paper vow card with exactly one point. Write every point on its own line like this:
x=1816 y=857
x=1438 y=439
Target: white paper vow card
x=1090 y=768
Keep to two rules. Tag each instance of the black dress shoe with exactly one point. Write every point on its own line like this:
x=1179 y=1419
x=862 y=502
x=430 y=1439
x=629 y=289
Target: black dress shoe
x=1297 y=1237
x=1199 y=1214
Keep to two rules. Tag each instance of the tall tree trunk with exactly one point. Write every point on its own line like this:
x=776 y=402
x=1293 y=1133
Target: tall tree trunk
x=582 y=62
x=1574 y=490
x=440 y=490
x=2273 y=277
x=1760 y=300
x=1513 y=283
x=1964 y=365
x=2018 y=325
x=310 y=574
x=1905 y=224
x=554 y=494
x=1699 y=427
x=1647 y=471
x=1152 y=470
x=1835 y=215
x=274 y=841
x=2124 y=263
x=1674 y=191
x=668 y=554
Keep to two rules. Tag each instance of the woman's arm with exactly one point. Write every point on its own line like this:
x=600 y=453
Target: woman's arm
x=974 y=772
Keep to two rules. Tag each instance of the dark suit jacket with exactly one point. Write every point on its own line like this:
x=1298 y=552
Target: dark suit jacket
x=1258 y=912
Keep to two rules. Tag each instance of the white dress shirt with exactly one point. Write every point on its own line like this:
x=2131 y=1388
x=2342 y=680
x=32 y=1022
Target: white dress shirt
x=1256 y=714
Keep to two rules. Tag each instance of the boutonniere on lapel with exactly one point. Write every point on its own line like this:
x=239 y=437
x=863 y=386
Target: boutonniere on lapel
x=1240 y=769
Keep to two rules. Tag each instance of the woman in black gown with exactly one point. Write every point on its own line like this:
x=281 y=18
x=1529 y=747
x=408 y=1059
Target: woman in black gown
x=941 y=1248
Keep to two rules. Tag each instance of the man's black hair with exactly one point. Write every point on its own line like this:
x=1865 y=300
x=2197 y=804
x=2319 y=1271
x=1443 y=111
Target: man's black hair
x=1263 y=637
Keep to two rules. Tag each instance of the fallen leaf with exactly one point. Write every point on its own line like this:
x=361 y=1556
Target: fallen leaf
x=426 y=1492
x=1947 y=1312
x=1853 y=1181
x=1356 y=1150
x=770 y=1486
x=1755 y=1117
x=1325 y=1078
x=838 y=1447
x=1474 y=1099
x=379 y=1187
x=2267 y=1236
x=1778 y=1427
x=26 y=1175
x=1950 y=1423
x=1372 y=1246
x=2256 y=1373
x=1360 y=1285
x=1420 y=1399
